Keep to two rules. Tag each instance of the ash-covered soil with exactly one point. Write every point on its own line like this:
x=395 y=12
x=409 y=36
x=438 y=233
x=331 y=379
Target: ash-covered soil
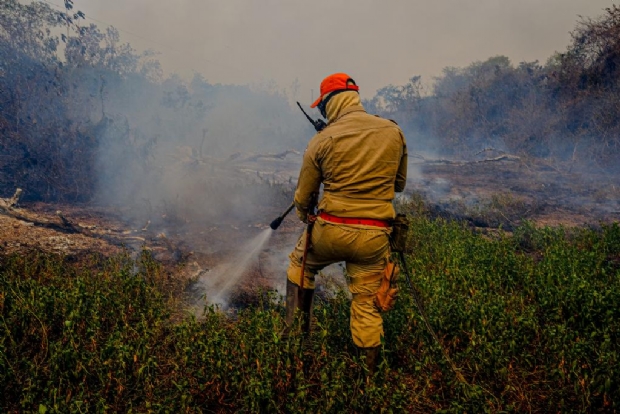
x=490 y=194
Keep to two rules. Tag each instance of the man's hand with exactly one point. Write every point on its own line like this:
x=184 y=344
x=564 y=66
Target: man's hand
x=303 y=215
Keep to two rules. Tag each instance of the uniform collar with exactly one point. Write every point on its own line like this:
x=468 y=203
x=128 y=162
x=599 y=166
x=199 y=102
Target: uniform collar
x=348 y=110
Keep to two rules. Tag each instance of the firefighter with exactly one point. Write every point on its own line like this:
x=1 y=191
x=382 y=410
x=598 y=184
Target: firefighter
x=361 y=160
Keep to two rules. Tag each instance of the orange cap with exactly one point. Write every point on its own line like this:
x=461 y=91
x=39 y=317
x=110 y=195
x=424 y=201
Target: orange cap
x=335 y=82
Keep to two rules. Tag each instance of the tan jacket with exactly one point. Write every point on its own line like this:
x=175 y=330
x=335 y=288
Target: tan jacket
x=362 y=161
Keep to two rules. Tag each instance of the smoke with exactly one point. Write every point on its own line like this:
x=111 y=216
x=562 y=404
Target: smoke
x=378 y=43
x=208 y=165
x=219 y=282
x=180 y=150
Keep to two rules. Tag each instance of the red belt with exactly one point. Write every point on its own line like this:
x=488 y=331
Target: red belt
x=352 y=220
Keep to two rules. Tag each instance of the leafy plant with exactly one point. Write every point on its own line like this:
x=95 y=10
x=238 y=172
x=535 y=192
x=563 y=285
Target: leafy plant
x=530 y=320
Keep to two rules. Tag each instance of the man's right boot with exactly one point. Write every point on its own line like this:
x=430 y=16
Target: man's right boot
x=292 y=304
x=298 y=299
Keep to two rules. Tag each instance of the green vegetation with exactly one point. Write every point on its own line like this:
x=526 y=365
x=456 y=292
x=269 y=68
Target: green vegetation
x=532 y=320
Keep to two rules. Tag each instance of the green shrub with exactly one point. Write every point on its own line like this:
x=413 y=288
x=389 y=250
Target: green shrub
x=531 y=320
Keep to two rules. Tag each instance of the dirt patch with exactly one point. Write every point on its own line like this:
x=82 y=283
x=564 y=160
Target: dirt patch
x=19 y=236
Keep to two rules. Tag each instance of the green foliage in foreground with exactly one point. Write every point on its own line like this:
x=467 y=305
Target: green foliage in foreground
x=532 y=320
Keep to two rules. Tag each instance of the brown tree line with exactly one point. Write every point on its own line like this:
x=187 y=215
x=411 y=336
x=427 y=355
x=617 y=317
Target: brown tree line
x=566 y=109
x=74 y=96
x=53 y=72
x=82 y=113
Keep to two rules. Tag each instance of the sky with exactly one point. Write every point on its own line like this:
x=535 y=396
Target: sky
x=283 y=43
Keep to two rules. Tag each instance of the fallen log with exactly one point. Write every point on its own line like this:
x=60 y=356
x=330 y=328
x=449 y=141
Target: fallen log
x=8 y=207
x=505 y=157
x=488 y=150
x=270 y=155
x=63 y=225
x=15 y=199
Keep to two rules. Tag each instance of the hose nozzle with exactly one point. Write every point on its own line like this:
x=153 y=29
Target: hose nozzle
x=276 y=223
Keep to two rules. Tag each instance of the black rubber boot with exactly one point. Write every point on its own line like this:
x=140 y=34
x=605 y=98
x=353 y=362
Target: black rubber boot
x=292 y=304
x=307 y=303
x=298 y=299
x=371 y=358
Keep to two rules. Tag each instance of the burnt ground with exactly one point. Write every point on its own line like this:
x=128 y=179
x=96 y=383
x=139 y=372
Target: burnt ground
x=490 y=194
x=486 y=194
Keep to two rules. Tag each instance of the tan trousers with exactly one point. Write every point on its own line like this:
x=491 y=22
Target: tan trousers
x=365 y=249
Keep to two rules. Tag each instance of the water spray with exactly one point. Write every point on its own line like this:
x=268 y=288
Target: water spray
x=219 y=282
x=276 y=223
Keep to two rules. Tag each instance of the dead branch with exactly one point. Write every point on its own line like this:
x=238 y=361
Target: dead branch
x=15 y=199
x=7 y=207
x=166 y=241
x=66 y=222
x=489 y=149
x=63 y=225
x=35 y=220
x=418 y=156
x=505 y=157
x=135 y=238
x=279 y=155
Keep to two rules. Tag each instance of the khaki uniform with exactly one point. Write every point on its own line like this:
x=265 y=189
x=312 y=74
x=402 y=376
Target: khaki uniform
x=361 y=160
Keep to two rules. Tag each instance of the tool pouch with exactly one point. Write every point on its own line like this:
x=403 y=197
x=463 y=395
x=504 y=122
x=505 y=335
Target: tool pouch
x=398 y=237
x=385 y=298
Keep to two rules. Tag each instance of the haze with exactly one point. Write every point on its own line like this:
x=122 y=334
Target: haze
x=275 y=42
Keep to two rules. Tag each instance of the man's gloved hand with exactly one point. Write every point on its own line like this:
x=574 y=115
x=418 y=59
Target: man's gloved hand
x=303 y=215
